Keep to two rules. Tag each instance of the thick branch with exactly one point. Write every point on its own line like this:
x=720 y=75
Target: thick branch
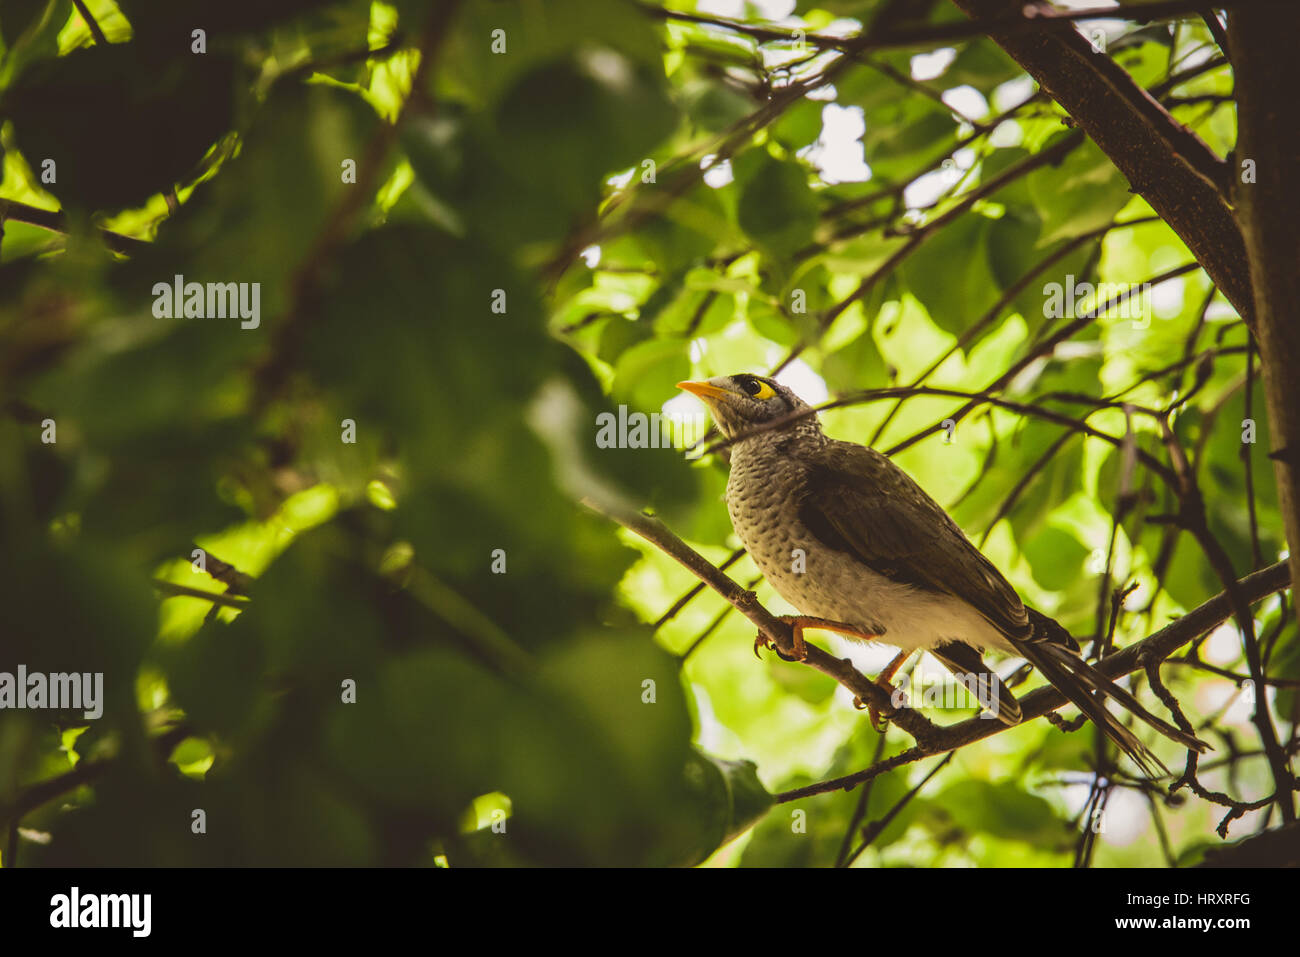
x=1013 y=20
x=1164 y=162
x=1268 y=83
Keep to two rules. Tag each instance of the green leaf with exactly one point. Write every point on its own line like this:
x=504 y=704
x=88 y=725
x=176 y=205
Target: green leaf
x=777 y=208
x=1004 y=810
x=1082 y=193
x=257 y=220
x=732 y=799
x=31 y=30
x=714 y=107
x=1057 y=558
x=900 y=129
x=474 y=68
x=799 y=125
x=646 y=375
x=955 y=287
x=529 y=171
x=687 y=230
x=619 y=335
x=981 y=64
x=858 y=365
x=162 y=22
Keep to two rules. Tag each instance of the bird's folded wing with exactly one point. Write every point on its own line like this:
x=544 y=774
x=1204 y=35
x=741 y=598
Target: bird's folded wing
x=857 y=501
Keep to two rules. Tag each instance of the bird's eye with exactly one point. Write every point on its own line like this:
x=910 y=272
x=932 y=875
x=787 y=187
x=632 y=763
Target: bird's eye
x=756 y=387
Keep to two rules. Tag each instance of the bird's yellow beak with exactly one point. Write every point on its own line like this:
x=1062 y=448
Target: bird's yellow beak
x=705 y=390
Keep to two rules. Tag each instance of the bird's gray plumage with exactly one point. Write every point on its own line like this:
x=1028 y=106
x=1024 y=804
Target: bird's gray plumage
x=842 y=533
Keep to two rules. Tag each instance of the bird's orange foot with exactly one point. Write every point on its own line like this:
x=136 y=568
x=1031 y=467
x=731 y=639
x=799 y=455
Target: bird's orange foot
x=878 y=720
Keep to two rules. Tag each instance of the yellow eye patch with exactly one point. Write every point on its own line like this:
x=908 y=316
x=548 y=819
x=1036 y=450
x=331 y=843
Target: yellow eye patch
x=765 y=391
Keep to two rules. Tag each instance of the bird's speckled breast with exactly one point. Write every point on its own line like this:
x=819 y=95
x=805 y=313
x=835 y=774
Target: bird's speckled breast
x=763 y=497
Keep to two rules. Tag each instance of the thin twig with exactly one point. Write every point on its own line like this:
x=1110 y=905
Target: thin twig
x=95 y=31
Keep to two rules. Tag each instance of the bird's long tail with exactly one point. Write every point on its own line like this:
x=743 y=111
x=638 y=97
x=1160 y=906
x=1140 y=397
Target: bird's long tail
x=1087 y=689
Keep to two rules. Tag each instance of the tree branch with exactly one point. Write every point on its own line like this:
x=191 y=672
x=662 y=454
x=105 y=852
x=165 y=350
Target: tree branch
x=1191 y=516
x=1016 y=20
x=56 y=222
x=976 y=398
x=270 y=376
x=1268 y=81
x=184 y=591
x=873 y=830
x=95 y=30
x=931 y=739
x=85 y=772
x=1164 y=162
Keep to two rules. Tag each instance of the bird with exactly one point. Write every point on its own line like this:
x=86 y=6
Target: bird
x=854 y=544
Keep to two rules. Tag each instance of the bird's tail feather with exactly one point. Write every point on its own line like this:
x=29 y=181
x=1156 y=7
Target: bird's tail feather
x=1105 y=686
x=980 y=680
x=1087 y=688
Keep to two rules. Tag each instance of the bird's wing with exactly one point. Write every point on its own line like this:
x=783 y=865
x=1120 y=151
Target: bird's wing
x=859 y=502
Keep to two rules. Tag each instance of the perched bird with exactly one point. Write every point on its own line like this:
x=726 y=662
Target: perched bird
x=851 y=541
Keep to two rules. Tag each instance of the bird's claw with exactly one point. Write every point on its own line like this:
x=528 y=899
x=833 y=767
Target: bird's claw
x=878 y=720
x=884 y=680
x=800 y=648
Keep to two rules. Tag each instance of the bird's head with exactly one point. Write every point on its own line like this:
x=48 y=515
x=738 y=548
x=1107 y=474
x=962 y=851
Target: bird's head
x=741 y=402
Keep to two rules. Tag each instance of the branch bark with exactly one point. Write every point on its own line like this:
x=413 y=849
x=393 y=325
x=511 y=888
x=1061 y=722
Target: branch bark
x=1165 y=163
x=885 y=35
x=1268 y=82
